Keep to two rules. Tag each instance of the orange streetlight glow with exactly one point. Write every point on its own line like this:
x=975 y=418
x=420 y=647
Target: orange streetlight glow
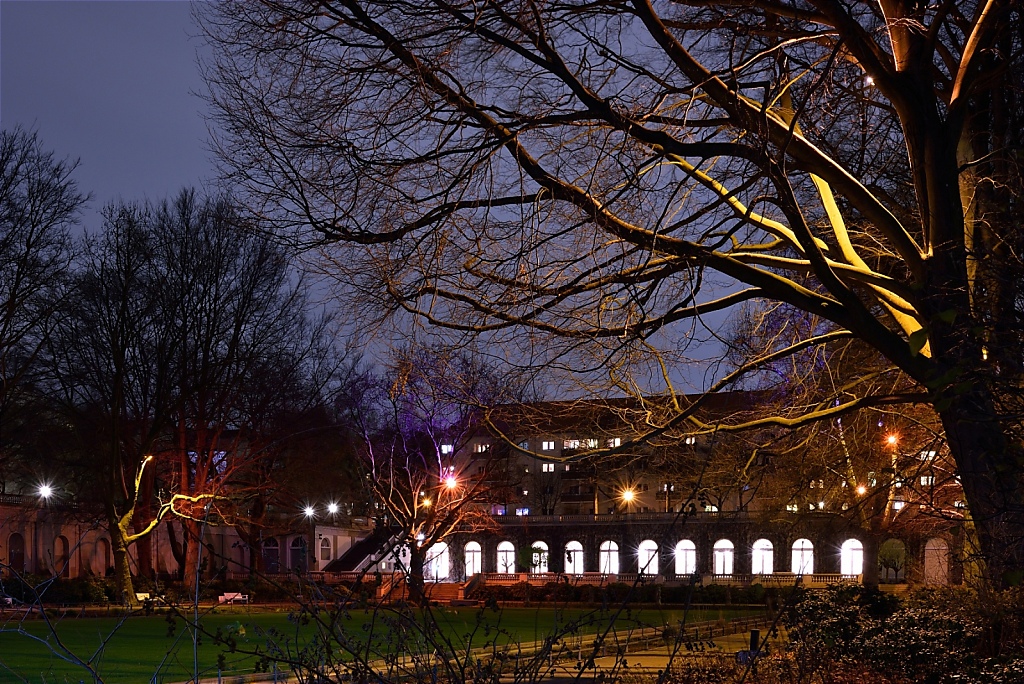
x=450 y=482
x=628 y=495
x=891 y=440
x=426 y=503
x=861 y=489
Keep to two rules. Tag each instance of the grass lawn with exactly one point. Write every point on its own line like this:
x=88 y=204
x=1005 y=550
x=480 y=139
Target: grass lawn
x=143 y=646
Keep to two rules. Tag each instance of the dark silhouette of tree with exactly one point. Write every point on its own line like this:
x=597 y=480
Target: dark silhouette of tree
x=186 y=344
x=582 y=184
x=39 y=201
x=415 y=422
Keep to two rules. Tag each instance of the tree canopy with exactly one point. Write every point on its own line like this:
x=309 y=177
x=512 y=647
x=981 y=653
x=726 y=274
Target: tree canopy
x=581 y=182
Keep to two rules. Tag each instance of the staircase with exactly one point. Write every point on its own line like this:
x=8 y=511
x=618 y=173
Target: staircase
x=394 y=588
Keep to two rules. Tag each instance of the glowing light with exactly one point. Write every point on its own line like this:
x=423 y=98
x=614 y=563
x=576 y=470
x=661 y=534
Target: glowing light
x=862 y=490
x=309 y=511
x=628 y=495
x=45 y=491
x=332 y=508
x=891 y=440
x=450 y=482
x=869 y=81
x=426 y=503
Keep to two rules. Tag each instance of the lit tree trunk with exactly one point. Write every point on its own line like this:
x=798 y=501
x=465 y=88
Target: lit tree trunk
x=122 y=561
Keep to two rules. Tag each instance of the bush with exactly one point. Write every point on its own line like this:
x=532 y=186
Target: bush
x=935 y=636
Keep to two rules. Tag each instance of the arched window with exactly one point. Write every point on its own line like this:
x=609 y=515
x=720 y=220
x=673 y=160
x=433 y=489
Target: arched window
x=16 y=553
x=851 y=557
x=102 y=558
x=298 y=555
x=539 y=557
x=762 y=560
x=437 y=563
x=61 y=557
x=803 y=557
x=325 y=549
x=723 y=557
x=609 y=558
x=474 y=559
x=506 y=557
x=271 y=556
x=574 y=558
x=647 y=558
x=936 y=562
x=686 y=557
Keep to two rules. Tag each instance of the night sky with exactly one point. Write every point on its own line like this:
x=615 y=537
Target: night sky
x=112 y=84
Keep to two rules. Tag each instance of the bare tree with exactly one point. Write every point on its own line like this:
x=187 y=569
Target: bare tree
x=245 y=351
x=580 y=183
x=415 y=424
x=39 y=201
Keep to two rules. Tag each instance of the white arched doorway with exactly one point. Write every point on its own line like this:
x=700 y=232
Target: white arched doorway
x=474 y=559
x=539 y=557
x=803 y=557
x=762 y=558
x=686 y=557
x=723 y=557
x=574 y=558
x=437 y=563
x=506 y=557
x=647 y=557
x=851 y=557
x=609 y=558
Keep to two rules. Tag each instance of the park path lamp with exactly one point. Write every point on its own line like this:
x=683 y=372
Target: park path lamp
x=310 y=514
x=45 y=491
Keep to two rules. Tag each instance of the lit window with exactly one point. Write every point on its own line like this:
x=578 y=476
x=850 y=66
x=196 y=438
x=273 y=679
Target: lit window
x=548 y=446
x=898 y=504
x=959 y=504
x=927 y=480
x=591 y=443
x=571 y=444
x=927 y=455
x=446 y=448
x=614 y=442
x=526 y=492
x=524 y=445
x=792 y=508
x=690 y=440
x=872 y=482
x=481 y=448
x=566 y=467
x=522 y=511
x=710 y=508
x=547 y=467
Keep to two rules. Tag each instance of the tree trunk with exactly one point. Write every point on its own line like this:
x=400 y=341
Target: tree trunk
x=122 y=564
x=194 y=558
x=414 y=578
x=870 y=565
x=177 y=549
x=990 y=468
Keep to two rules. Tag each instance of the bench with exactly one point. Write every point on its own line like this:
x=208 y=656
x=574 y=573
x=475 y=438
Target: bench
x=232 y=597
x=142 y=597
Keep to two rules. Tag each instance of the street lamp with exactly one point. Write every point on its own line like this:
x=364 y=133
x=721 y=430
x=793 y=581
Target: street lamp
x=450 y=482
x=45 y=491
x=332 y=508
x=892 y=439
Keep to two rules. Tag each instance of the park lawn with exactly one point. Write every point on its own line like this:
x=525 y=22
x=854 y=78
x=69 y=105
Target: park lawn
x=156 y=649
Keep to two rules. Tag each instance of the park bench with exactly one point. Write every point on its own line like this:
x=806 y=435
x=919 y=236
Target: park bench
x=232 y=597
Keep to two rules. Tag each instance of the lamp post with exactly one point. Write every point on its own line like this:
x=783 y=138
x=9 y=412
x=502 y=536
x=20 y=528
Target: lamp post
x=310 y=514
